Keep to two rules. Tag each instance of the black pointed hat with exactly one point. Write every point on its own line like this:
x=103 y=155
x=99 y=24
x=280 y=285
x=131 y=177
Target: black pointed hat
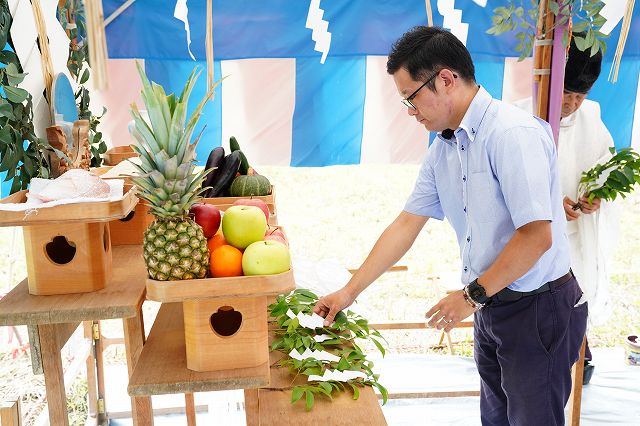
x=582 y=69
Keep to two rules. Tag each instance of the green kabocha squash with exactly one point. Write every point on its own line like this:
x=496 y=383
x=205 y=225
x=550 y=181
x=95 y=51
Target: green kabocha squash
x=246 y=186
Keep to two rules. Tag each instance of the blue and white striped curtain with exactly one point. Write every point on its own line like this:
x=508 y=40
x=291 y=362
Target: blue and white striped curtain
x=289 y=108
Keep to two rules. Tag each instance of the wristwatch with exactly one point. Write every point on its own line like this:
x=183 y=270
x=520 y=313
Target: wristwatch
x=476 y=293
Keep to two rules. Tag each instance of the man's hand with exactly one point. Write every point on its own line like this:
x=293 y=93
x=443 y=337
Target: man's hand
x=449 y=311
x=571 y=214
x=589 y=207
x=328 y=306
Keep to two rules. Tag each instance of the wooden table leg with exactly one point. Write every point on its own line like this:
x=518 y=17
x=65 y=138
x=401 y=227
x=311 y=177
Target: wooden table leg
x=575 y=400
x=53 y=375
x=92 y=382
x=252 y=407
x=190 y=409
x=141 y=409
x=10 y=414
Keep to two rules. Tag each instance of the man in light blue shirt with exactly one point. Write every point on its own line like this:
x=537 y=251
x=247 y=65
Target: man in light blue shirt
x=492 y=173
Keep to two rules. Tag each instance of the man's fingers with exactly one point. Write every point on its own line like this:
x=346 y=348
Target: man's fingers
x=328 y=320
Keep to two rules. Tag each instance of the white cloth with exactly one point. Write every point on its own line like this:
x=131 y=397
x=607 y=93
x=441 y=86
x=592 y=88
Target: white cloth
x=583 y=142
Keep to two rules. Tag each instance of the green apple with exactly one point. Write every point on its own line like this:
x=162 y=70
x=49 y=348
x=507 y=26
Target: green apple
x=266 y=258
x=243 y=225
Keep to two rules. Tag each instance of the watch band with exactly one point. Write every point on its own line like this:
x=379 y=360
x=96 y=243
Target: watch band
x=476 y=293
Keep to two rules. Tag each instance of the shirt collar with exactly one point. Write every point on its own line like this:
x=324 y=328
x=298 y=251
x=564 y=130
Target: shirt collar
x=474 y=115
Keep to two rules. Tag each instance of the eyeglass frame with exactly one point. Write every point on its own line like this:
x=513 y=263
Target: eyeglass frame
x=407 y=101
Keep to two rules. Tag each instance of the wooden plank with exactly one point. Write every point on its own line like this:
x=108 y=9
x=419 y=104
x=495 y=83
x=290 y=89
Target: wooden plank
x=141 y=408
x=103 y=211
x=252 y=407
x=211 y=288
x=394 y=268
x=53 y=375
x=162 y=366
x=92 y=379
x=575 y=400
x=119 y=299
x=35 y=351
x=276 y=409
x=190 y=409
x=10 y=413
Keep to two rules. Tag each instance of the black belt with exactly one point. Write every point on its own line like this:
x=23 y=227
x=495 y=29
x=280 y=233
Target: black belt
x=508 y=295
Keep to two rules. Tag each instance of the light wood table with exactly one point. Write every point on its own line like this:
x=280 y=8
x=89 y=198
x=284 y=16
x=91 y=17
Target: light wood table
x=52 y=320
x=162 y=367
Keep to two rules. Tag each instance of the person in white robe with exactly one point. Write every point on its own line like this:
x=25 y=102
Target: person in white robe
x=583 y=142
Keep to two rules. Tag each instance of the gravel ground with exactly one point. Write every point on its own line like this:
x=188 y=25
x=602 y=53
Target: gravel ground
x=338 y=213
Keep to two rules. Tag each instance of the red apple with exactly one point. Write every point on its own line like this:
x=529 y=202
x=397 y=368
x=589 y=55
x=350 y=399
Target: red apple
x=207 y=216
x=254 y=202
x=276 y=235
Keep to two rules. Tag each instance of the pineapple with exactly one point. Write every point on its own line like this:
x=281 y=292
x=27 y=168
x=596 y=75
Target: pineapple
x=175 y=247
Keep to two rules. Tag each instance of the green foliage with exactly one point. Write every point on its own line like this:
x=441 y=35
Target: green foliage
x=72 y=18
x=616 y=176
x=347 y=327
x=22 y=154
x=585 y=16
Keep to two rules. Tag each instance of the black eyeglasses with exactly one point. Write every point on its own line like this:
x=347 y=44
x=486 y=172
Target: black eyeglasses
x=407 y=101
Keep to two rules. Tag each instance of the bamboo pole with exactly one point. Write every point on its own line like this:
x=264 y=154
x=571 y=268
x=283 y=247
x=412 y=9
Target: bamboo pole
x=624 y=32
x=45 y=53
x=429 y=13
x=209 y=46
x=543 y=46
x=97 y=43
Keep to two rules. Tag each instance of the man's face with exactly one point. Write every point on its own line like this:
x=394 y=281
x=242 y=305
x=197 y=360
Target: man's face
x=571 y=101
x=432 y=109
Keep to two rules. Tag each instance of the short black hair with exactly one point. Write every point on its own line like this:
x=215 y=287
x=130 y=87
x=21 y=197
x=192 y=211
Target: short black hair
x=425 y=50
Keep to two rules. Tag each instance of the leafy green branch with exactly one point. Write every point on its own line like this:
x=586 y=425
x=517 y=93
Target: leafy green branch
x=616 y=176
x=72 y=18
x=340 y=341
x=522 y=19
x=23 y=155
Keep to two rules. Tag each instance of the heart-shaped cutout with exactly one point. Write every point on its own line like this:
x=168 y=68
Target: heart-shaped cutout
x=60 y=250
x=128 y=217
x=226 y=322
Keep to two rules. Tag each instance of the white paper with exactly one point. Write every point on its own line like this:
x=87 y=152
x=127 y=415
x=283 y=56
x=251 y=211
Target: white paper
x=309 y=321
x=613 y=11
x=319 y=355
x=322 y=337
x=23 y=31
x=320 y=29
x=32 y=205
x=340 y=376
x=181 y=13
x=33 y=81
x=41 y=117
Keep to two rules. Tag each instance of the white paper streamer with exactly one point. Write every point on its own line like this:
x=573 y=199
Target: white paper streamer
x=180 y=12
x=341 y=376
x=319 y=355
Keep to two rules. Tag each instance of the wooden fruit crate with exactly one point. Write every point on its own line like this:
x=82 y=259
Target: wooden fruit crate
x=67 y=247
x=225 y=319
x=130 y=229
x=117 y=154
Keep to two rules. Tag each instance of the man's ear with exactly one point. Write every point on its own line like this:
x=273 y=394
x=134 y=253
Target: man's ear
x=449 y=79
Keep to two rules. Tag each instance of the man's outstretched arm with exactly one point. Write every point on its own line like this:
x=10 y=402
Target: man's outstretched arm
x=394 y=242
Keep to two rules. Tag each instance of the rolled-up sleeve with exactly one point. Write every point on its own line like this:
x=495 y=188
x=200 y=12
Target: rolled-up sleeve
x=424 y=200
x=522 y=159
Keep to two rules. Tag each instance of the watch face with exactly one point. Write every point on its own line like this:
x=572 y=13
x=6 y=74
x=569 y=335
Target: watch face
x=477 y=292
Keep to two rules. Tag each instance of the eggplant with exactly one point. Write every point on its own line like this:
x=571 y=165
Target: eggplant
x=227 y=172
x=215 y=160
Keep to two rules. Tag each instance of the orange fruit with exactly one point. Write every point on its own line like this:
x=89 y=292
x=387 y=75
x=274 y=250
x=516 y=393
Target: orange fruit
x=225 y=261
x=216 y=241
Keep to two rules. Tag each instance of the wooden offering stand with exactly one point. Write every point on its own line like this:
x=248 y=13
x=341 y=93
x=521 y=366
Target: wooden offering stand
x=67 y=247
x=225 y=319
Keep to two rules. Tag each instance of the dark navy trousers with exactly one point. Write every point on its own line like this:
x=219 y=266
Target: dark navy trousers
x=524 y=351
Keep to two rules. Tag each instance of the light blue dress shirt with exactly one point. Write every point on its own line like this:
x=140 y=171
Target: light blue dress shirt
x=497 y=173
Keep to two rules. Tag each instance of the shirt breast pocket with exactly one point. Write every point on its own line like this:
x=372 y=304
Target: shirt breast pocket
x=483 y=197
